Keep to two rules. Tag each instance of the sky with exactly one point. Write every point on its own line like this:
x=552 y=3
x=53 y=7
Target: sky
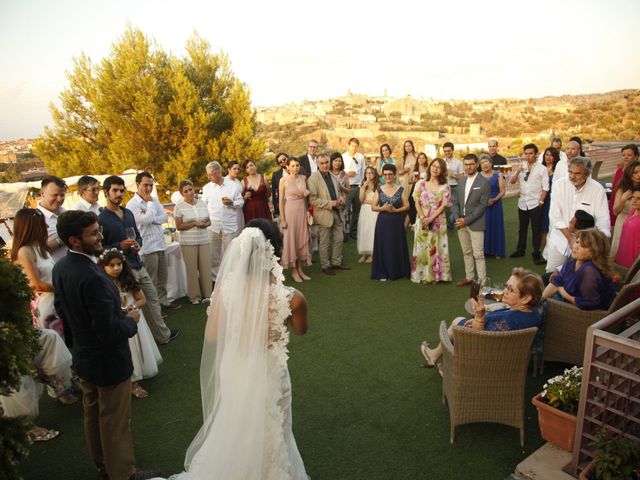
x=292 y=50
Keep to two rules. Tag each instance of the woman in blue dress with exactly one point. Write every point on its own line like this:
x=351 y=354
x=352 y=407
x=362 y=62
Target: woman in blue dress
x=494 y=237
x=585 y=279
x=550 y=159
x=390 y=250
x=522 y=294
x=385 y=159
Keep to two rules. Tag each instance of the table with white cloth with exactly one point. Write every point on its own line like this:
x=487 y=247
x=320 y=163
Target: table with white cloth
x=176 y=273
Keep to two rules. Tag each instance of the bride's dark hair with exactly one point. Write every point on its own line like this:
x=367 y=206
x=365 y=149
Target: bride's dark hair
x=271 y=232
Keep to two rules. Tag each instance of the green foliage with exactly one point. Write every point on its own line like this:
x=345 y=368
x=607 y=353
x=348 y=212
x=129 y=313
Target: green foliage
x=143 y=108
x=617 y=457
x=563 y=391
x=18 y=346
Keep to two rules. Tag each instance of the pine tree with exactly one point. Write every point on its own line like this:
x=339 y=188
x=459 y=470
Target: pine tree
x=143 y=108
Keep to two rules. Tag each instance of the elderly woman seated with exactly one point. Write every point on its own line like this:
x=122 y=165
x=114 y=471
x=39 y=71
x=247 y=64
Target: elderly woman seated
x=585 y=278
x=522 y=293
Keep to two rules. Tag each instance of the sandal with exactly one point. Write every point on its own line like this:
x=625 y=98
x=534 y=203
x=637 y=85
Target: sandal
x=67 y=399
x=139 y=392
x=423 y=349
x=41 y=434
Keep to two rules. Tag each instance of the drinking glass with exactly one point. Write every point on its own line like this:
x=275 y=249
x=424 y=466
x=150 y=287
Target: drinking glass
x=497 y=292
x=131 y=233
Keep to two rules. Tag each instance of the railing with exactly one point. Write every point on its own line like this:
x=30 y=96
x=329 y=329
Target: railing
x=610 y=395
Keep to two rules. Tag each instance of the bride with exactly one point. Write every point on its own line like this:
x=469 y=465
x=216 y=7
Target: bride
x=245 y=384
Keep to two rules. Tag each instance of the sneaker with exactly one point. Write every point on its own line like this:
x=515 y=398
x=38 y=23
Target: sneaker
x=195 y=301
x=172 y=336
x=206 y=301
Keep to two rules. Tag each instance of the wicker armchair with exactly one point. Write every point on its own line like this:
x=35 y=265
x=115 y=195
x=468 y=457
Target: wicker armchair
x=484 y=376
x=565 y=326
x=627 y=275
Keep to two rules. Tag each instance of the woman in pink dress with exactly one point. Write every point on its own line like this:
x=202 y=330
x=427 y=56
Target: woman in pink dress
x=293 y=221
x=629 y=246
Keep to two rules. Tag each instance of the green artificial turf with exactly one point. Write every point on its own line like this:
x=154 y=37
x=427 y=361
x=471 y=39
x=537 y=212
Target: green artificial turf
x=362 y=407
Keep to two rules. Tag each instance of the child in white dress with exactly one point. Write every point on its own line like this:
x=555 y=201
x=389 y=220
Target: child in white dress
x=144 y=351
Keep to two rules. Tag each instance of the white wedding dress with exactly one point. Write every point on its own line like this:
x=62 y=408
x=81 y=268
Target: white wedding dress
x=245 y=383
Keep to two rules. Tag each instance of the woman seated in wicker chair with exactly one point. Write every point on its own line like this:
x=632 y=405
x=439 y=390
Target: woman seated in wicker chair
x=586 y=278
x=522 y=293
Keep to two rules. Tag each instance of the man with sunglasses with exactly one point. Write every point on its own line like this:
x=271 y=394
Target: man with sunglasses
x=89 y=190
x=534 y=187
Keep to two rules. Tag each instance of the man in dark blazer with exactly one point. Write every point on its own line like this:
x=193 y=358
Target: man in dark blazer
x=89 y=304
x=468 y=208
x=308 y=161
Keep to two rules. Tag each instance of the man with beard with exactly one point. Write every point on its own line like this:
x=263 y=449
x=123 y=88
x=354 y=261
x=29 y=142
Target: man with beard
x=577 y=191
x=89 y=303
x=120 y=231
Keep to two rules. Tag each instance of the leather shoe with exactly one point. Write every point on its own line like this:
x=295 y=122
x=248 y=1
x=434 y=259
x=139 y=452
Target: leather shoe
x=463 y=283
x=173 y=306
x=342 y=266
x=146 y=474
x=538 y=259
x=516 y=254
x=329 y=271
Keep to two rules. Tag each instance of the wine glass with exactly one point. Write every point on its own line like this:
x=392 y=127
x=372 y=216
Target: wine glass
x=497 y=292
x=131 y=233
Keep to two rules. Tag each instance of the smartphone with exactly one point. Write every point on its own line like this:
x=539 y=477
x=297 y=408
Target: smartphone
x=475 y=290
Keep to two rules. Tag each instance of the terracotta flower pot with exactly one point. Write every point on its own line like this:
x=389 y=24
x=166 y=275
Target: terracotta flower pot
x=556 y=426
x=586 y=473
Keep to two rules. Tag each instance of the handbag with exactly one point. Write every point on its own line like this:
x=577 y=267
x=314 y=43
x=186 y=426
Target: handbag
x=310 y=215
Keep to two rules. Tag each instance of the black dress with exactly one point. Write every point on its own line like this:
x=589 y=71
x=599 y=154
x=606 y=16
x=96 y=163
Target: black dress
x=390 y=250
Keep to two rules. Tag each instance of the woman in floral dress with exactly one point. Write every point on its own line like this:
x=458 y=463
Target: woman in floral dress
x=430 y=261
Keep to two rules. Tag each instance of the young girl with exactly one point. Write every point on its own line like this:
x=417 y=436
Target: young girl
x=144 y=351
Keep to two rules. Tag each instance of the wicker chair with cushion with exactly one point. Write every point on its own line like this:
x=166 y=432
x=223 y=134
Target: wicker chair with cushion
x=484 y=375
x=627 y=275
x=565 y=326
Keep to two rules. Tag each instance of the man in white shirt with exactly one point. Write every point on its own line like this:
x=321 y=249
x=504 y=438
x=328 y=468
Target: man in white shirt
x=577 y=191
x=89 y=191
x=308 y=162
x=455 y=171
x=52 y=192
x=354 y=166
x=223 y=198
x=557 y=144
x=562 y=167
x=150 y=215
x=534 y=187
x=469 y=207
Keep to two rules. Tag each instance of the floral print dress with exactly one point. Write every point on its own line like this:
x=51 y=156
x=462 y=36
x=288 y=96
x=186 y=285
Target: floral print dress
x=430 y=260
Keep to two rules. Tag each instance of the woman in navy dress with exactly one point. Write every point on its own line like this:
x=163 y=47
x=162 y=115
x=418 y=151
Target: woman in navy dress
x=494 y=238
x=390 y=250
x=550 y=159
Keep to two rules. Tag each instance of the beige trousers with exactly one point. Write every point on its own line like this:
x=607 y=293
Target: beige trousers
x=218 y=242
x=197 y=261
x=156 y=265
x=331 y=238
x=107 y=428
x=472 y=244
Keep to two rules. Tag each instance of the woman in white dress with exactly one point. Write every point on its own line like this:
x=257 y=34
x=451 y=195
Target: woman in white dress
x=367 y=218
x=144 y=351
x=244 y=379
x=53 y=361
